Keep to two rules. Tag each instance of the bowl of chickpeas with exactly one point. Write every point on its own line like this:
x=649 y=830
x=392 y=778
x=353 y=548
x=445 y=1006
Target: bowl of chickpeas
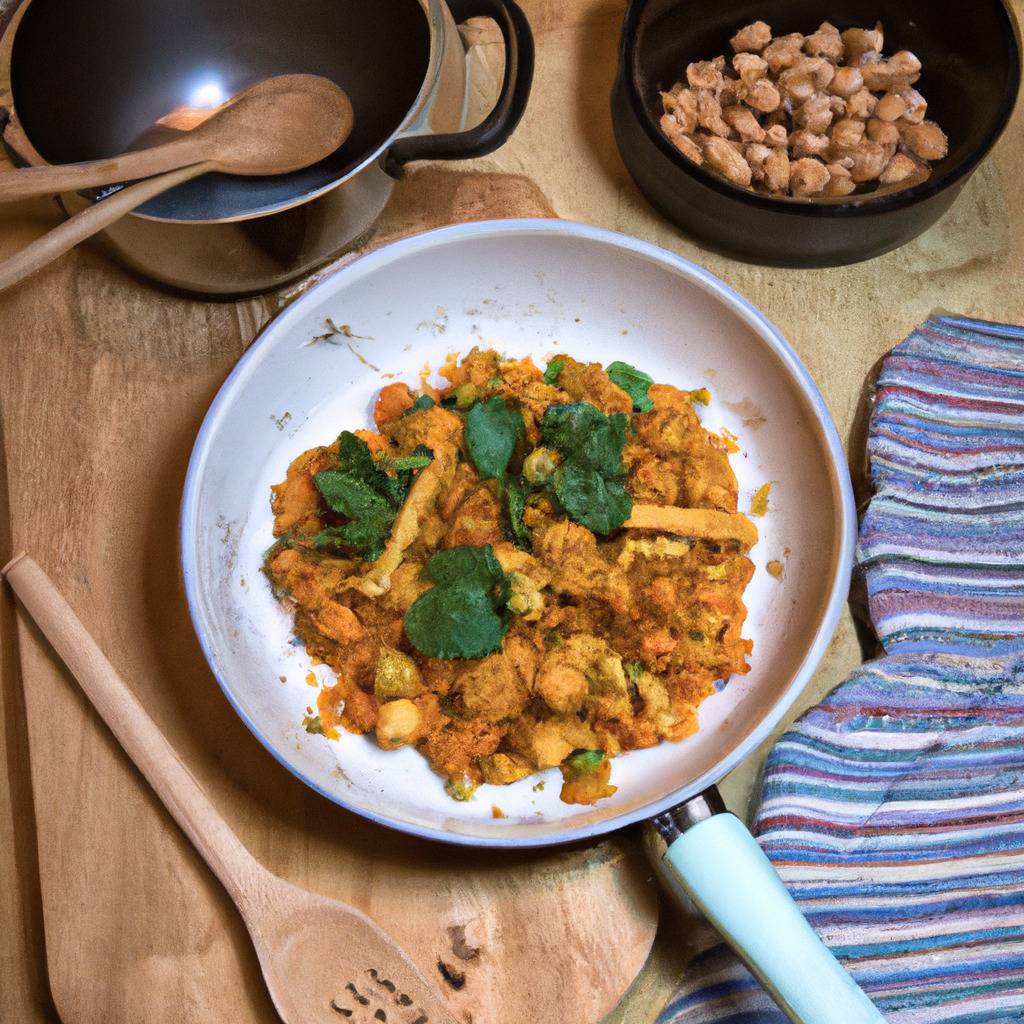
x=801 y=135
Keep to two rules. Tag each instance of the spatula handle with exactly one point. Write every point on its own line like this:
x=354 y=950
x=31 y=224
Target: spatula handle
x=83 y=225
x=137 y=733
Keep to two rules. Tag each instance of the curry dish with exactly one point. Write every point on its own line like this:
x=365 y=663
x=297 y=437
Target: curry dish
x=522 y=570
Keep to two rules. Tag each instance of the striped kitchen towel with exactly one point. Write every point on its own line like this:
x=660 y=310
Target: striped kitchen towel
x=894 y=810
x=942 y=543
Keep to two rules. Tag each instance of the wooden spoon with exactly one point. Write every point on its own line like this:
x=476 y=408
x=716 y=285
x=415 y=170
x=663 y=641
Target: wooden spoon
x=324 y=962
x=276 y=126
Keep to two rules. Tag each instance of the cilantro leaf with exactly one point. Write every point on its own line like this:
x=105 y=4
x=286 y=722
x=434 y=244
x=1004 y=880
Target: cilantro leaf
x=492 y=432
x=465 y=562
x=584 y=434
x=423 y=402
x=554 y=371
x=588 y=482
x=634 y=382
x=515 y=503
x=463 y=615
x=600 y=504
x=347 y=495
x=365 y=495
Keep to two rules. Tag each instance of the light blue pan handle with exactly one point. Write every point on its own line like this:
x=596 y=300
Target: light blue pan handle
x=726 y=874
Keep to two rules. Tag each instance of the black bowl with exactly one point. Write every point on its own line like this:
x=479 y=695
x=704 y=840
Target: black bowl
x=971 y=75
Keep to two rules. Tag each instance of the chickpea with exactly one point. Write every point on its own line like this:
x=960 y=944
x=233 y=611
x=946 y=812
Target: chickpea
x=806 y=143
x=858 y=41
x=861 y=104
x=763 y=96
x=466 y=394
x=750 y=67
x=846 y=81
x=890 y=107
x=709 y=114
x=916 y=106
x=396 y=675
x=682 y=107
x=727 y=161
x=398 y=722
x=899 y=168
x=704 y=74
x=883 y=132
x=847 y=135
x=540 y=465
x=906 y=65
x=743 y=122
x=752 y=38
x=755 y=154
x=795 y=86
x=815 y=114
x=783 y=52
x=689 y=149
x=776 y=135
x=808 y=177
x=525 y=599
x=868 y=161
x=826 y=42
x=777 y=170
x=926 y=140
x=839 y=186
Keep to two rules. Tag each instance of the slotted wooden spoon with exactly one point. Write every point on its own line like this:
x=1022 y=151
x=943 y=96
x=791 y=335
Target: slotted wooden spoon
x=277 y=126
x=324 y=962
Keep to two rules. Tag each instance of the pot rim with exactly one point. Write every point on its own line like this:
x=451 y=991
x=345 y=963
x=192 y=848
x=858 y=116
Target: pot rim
x=433 y=10
x=857 y=206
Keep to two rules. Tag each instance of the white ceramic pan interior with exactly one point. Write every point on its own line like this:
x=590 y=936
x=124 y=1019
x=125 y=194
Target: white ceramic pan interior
x=523 y=287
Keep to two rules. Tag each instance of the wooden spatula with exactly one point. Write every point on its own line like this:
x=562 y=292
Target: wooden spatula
x=323 y=961
x=277 y=126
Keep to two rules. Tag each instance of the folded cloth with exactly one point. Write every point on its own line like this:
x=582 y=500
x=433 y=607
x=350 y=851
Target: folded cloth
x=894 y=810
x=942 y=543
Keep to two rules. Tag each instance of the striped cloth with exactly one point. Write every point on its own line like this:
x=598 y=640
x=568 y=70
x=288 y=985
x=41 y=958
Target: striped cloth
x=946 y=444
x=894 y=810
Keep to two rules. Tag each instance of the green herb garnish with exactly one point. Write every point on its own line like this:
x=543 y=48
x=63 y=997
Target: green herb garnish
x=423 y=402
x=583 y=762
x=634 y=669
x=492 y=432
x=634 y=382
x=515 y=502
x=588 y=482
x=365 y=495
x=313 y=725
x=463 y=615
x=554 y=371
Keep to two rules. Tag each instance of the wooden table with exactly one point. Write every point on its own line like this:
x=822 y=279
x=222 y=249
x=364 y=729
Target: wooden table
x=561 y=162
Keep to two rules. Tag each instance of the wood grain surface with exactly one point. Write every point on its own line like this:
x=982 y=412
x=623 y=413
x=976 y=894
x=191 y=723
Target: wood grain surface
x=104 y=382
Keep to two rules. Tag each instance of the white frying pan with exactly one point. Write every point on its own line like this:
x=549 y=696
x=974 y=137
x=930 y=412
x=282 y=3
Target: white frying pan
x=535 y=287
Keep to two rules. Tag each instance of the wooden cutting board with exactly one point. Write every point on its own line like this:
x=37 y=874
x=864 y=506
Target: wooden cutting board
x=105 y=381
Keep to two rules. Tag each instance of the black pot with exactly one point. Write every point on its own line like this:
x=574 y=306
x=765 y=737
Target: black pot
x=971 y=77
x=86 y=79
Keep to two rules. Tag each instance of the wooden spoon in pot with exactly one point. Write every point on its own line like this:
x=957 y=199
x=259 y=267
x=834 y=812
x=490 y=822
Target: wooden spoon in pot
x=279 y=125
x=324 y=962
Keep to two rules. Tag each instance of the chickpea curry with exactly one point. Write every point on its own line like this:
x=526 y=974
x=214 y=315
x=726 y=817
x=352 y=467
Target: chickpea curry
x=521 y=570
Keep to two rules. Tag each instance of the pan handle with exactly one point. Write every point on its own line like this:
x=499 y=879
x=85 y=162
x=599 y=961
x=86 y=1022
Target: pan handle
x=713 y=857
x=515 y=91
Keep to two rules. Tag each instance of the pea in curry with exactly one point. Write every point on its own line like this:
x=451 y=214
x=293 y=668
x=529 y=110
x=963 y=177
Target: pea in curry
x=521 y=570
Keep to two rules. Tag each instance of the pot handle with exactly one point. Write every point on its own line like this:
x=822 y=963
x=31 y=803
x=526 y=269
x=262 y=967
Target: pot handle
x=502 y=120
x=717 y=862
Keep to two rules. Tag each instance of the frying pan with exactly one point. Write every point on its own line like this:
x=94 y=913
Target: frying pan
x=536 y=287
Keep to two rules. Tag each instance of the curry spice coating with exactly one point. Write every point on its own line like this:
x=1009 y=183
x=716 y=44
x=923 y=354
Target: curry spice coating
x=608 y=641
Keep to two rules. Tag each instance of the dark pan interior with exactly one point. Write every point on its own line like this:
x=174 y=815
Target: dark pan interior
x=89 y=77
x=969 y=54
